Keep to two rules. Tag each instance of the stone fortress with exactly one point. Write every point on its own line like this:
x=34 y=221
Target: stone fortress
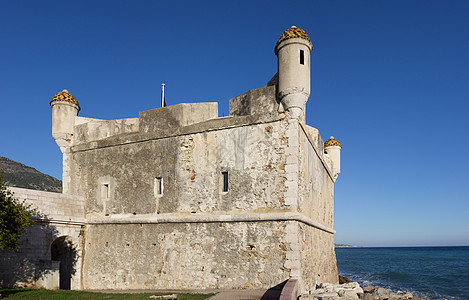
x=180 y=198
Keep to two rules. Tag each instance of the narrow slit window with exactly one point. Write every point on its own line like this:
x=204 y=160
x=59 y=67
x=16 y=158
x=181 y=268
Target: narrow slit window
x=158 y=186
x=225 y=181
x=105 y=191
x=302 y=57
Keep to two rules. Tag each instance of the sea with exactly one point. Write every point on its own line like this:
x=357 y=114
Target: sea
x=426 y=272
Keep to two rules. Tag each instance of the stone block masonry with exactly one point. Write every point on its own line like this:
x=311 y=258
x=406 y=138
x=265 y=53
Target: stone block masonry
x=54 y=207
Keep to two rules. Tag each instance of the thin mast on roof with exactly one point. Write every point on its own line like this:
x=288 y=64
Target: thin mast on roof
x=163 y=103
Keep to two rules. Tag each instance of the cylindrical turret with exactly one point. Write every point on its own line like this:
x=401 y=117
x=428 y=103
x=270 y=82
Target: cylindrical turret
x=332 y=148
x=293 y=50
x=64 y=110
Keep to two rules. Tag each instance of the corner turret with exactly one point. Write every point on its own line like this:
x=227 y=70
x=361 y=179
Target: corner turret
x=64 y=110
x=332 y=148
x=293 y=50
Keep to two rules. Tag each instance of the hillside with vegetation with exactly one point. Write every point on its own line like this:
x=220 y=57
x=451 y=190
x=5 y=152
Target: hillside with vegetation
x=16 y=174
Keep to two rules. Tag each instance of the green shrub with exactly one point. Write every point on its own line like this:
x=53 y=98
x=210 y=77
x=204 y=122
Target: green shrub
x=15 y=217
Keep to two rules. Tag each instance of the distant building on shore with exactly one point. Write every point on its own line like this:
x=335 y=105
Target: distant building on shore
x=180 y=198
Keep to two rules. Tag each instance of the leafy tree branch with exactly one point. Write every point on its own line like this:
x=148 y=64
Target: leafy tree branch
x=15 y=217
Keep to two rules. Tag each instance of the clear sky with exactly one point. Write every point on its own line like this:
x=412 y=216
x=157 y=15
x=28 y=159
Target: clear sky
x=390 y=81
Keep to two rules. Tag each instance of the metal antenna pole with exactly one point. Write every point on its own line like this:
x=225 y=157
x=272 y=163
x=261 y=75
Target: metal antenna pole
x=162 y=94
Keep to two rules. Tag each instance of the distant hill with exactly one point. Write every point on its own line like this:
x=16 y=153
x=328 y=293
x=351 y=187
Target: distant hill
x=16 y=174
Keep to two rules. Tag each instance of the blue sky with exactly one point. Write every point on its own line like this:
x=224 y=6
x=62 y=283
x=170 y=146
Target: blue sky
x=390 y=80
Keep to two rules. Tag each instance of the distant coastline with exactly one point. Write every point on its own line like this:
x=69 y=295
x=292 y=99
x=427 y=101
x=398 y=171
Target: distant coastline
x=346 y=246
x=396 y=247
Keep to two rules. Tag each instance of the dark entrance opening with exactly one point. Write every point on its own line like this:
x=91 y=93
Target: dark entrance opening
x=62 y=250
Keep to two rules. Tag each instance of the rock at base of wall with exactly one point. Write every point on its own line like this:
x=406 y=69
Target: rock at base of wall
x=352 y=290
x=343 y=279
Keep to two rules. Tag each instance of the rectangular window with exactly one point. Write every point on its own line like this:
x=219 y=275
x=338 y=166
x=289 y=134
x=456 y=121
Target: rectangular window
x=105 y=193
x=158 y=186
x=302 y=57
x=225 y=181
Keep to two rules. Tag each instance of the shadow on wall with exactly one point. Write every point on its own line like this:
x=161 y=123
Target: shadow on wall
x=65 y=252
x=44 y=258
x=274 y=292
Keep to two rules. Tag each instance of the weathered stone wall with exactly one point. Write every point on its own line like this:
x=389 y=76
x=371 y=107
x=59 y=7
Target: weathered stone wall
x=319 y=264
x=316 y=200
x=316 y=185
x=87 y=129
x=190 y=166
x=258 y=101
x=178 y=115
x=187 y=256
x=60 y=215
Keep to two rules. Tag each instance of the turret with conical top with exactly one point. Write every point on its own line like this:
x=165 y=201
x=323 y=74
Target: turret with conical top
x=293 y=50
x=332 y=148
x=64 y=110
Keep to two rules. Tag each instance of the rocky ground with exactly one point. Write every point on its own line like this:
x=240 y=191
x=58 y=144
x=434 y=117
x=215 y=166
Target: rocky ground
x=349 y=290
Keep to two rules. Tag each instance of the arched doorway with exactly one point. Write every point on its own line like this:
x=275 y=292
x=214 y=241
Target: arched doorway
x=62 y=250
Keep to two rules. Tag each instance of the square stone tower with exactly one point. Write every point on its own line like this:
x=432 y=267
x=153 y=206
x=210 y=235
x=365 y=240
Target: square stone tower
x=179 y=198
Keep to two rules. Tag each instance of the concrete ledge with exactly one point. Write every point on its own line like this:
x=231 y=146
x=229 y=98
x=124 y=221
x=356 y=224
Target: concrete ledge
x=251 y=217
x=55 y=221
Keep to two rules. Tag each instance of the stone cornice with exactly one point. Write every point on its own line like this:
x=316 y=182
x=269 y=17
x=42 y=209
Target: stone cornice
x=214 y=218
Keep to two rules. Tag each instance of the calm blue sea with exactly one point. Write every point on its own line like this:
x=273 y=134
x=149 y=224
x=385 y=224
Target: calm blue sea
x=427 y=272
